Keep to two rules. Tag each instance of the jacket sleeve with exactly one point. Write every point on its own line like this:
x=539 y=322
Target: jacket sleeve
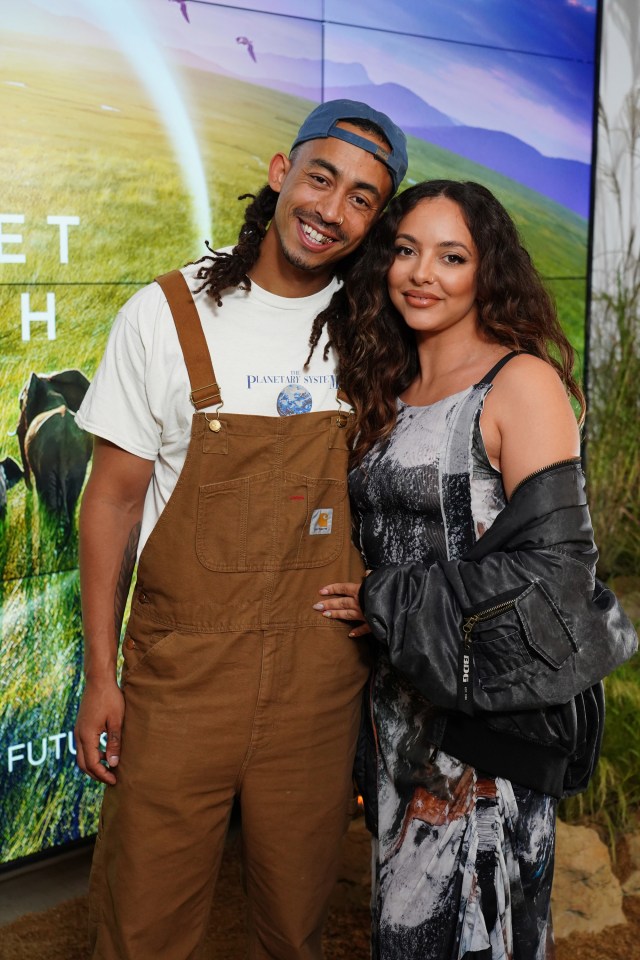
x=539 y=627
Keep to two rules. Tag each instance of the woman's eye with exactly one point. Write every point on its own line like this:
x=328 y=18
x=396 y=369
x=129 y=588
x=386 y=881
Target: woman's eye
x=454 y=258
x=403 y=252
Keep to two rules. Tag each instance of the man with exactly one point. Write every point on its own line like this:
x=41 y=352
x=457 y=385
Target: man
x=239 y=514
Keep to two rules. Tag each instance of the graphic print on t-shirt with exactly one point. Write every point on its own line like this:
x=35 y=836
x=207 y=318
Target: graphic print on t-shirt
x=294 y=398
x=300 y=391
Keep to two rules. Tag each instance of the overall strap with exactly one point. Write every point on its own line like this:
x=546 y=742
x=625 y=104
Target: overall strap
x=205 y=392
x=488 y=377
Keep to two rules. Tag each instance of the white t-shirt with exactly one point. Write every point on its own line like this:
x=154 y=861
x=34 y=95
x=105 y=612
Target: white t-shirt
x=139 y=397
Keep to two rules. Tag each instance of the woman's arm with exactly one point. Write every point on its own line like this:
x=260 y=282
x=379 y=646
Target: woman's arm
x=528 y=422
x=523 y=607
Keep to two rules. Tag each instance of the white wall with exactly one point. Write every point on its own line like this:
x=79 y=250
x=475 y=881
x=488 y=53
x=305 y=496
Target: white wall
x=617 y=207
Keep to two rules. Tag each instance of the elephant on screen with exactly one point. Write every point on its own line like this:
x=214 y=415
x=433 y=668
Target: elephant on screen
x=54 y=450
x=10 y=474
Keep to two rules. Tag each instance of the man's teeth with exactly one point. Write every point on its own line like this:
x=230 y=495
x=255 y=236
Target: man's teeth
x=314 y=235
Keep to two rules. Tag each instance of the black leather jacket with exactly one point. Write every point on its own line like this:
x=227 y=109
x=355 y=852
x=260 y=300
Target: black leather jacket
x=513 y=640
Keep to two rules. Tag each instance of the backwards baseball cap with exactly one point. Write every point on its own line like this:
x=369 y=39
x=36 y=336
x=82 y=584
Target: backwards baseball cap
x=323 y=122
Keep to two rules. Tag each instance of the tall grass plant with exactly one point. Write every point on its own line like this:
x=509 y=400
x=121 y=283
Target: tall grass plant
x=613 y=462
x=612 y=799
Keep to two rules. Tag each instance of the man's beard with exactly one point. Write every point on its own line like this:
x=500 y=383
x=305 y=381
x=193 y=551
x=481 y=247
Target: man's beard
x=295 y=259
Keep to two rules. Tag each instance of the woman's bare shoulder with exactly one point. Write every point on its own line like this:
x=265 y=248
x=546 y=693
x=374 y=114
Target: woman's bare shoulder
x=529 y=372
x=531 y=411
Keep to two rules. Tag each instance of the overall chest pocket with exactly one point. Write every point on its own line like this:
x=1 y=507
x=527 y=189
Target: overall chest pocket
x=276 y=520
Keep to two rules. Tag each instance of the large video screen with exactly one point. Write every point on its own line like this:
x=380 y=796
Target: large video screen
x=130 y=128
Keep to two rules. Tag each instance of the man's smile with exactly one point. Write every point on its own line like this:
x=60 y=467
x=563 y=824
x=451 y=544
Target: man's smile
x=314 y=234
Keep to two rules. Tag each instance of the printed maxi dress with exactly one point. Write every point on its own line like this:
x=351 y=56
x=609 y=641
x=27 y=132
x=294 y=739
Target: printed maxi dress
x=463 y=862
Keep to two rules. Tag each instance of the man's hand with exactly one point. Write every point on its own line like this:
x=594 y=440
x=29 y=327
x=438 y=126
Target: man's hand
x=340 y=602
x=110 y=516
x=101 y=709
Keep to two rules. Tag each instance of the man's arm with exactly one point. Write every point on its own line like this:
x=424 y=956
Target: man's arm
x=110 y=516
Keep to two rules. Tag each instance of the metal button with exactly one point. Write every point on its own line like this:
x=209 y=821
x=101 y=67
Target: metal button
x=129 y=643
x=143 y=598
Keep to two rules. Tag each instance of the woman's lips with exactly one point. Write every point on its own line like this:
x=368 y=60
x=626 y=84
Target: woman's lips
x=416 y=298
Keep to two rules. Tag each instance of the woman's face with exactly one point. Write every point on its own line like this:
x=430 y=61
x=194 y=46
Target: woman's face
x=432 y=280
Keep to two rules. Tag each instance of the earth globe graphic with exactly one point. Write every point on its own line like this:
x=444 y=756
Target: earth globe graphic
x=294 y=399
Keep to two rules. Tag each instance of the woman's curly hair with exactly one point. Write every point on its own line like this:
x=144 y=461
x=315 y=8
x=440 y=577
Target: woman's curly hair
x=378 y=353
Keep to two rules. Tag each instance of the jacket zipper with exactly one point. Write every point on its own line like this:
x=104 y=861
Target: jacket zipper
x=465 y=665
x=549 y=466
x=465 y=680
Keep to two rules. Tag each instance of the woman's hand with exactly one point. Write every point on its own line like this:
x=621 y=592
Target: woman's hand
x=340 y=602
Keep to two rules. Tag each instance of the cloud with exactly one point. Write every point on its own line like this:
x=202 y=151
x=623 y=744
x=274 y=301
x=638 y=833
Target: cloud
x=583 y=5
x=498 y=99
x=541 y=101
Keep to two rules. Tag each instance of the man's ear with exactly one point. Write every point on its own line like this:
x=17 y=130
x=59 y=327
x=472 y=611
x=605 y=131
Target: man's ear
x=278 y=170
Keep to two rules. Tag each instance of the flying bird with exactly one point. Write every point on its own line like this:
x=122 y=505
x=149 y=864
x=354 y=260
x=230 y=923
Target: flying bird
x=249 y=45
x=183 y=8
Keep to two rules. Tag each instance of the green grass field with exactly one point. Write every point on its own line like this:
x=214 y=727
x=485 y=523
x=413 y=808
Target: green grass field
x=44 y=798
x=612 y=799
x=62 y=154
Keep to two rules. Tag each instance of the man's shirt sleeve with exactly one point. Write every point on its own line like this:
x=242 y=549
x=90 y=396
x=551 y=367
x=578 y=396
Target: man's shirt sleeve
x=116 y=406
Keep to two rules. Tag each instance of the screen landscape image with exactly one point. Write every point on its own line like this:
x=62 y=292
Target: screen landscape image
x=130 y=132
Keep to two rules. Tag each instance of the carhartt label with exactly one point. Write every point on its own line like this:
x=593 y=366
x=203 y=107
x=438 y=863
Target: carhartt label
x=321 y=521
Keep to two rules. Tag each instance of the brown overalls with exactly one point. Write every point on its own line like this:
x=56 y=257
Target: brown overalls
x=234 y=686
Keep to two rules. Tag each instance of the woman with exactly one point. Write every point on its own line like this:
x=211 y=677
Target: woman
x=459 y=374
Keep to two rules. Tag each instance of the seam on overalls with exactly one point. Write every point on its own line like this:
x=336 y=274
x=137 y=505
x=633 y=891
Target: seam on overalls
x=252 y=739
x=267 y=596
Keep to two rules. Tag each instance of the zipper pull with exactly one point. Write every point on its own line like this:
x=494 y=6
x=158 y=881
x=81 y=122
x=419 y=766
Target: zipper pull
x=467 y=627
x=465 y=667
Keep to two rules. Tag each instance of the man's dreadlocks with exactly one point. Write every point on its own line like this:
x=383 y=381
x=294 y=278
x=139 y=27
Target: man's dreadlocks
x=223 y=270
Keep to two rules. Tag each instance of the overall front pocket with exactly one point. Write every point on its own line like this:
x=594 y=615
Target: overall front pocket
x=142 y=639
x=270 y=521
